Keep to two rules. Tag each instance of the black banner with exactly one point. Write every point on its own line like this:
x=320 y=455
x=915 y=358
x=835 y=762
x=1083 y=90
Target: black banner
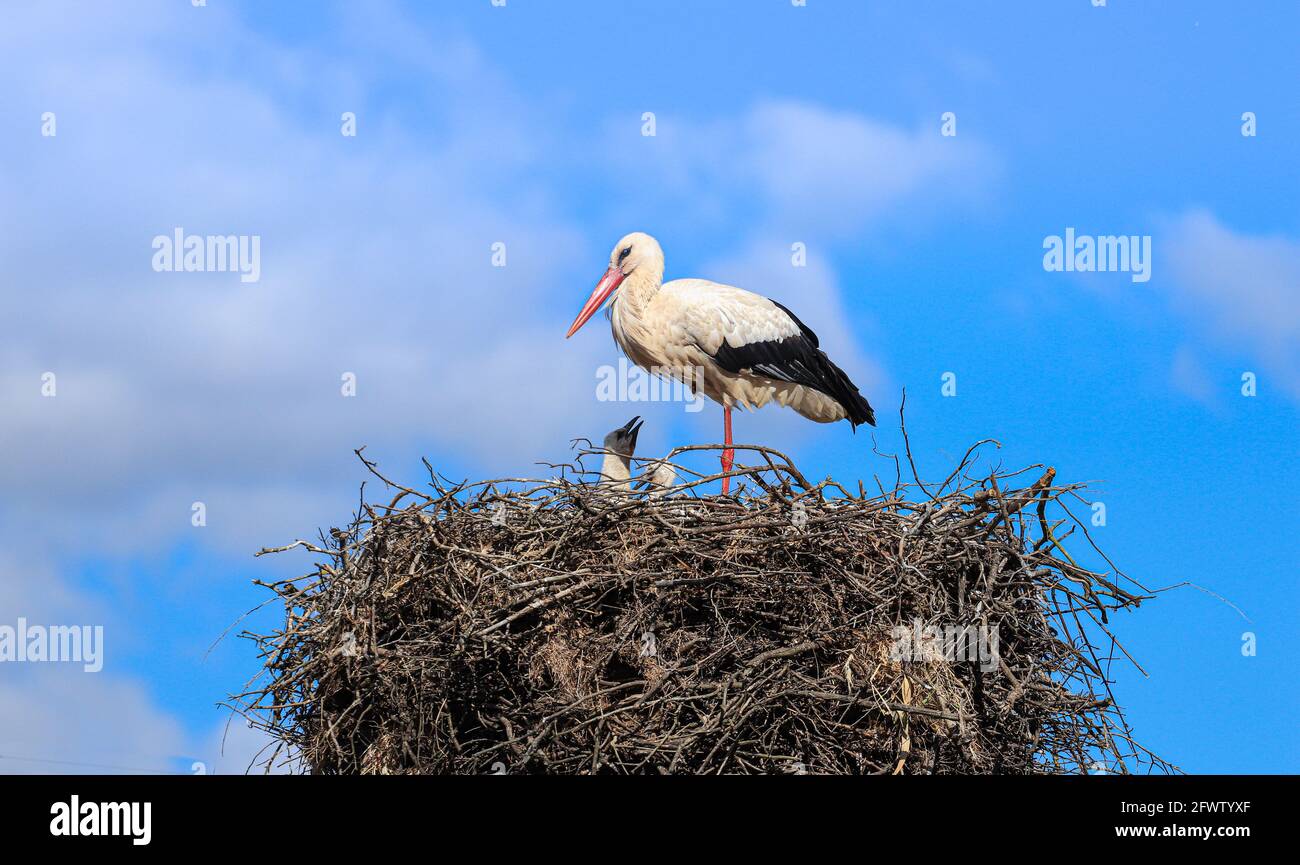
x=305 y=814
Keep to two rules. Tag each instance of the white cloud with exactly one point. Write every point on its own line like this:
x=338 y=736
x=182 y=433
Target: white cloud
x=804 y=169
x=57 y=719
x=836 y=171
x=1189 y=376
x=1241 y=290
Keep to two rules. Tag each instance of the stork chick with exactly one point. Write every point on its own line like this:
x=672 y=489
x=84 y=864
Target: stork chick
x=616 y=469
x=659 y=479
x=620 y=445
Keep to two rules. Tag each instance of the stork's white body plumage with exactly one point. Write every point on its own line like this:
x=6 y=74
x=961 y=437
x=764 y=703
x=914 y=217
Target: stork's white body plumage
x=738 y=348
x=678 y=329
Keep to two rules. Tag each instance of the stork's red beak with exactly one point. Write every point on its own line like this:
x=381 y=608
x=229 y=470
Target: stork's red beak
x=603 y=290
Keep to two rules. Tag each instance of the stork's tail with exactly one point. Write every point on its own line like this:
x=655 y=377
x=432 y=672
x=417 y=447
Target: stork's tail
x=845 y=392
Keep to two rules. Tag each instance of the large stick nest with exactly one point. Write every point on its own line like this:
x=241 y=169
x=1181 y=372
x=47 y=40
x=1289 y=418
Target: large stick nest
x=565 y=626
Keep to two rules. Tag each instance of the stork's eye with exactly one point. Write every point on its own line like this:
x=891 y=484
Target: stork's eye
x=624 y=254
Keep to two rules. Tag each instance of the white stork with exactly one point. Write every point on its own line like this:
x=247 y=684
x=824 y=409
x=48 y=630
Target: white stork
x=737 y=347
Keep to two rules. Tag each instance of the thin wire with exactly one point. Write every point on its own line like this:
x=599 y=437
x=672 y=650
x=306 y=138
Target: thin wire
x=84 y=765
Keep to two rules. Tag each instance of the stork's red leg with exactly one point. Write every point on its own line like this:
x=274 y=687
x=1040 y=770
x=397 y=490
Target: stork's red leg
x=728 y=453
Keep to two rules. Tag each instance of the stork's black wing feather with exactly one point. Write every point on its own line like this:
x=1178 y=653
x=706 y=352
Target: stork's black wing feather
x=798 y=360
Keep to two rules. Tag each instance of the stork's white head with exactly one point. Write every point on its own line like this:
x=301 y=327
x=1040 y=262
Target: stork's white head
x=636 y=253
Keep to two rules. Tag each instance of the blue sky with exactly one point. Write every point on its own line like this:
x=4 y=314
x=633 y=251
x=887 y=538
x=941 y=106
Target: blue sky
x=775 y=124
